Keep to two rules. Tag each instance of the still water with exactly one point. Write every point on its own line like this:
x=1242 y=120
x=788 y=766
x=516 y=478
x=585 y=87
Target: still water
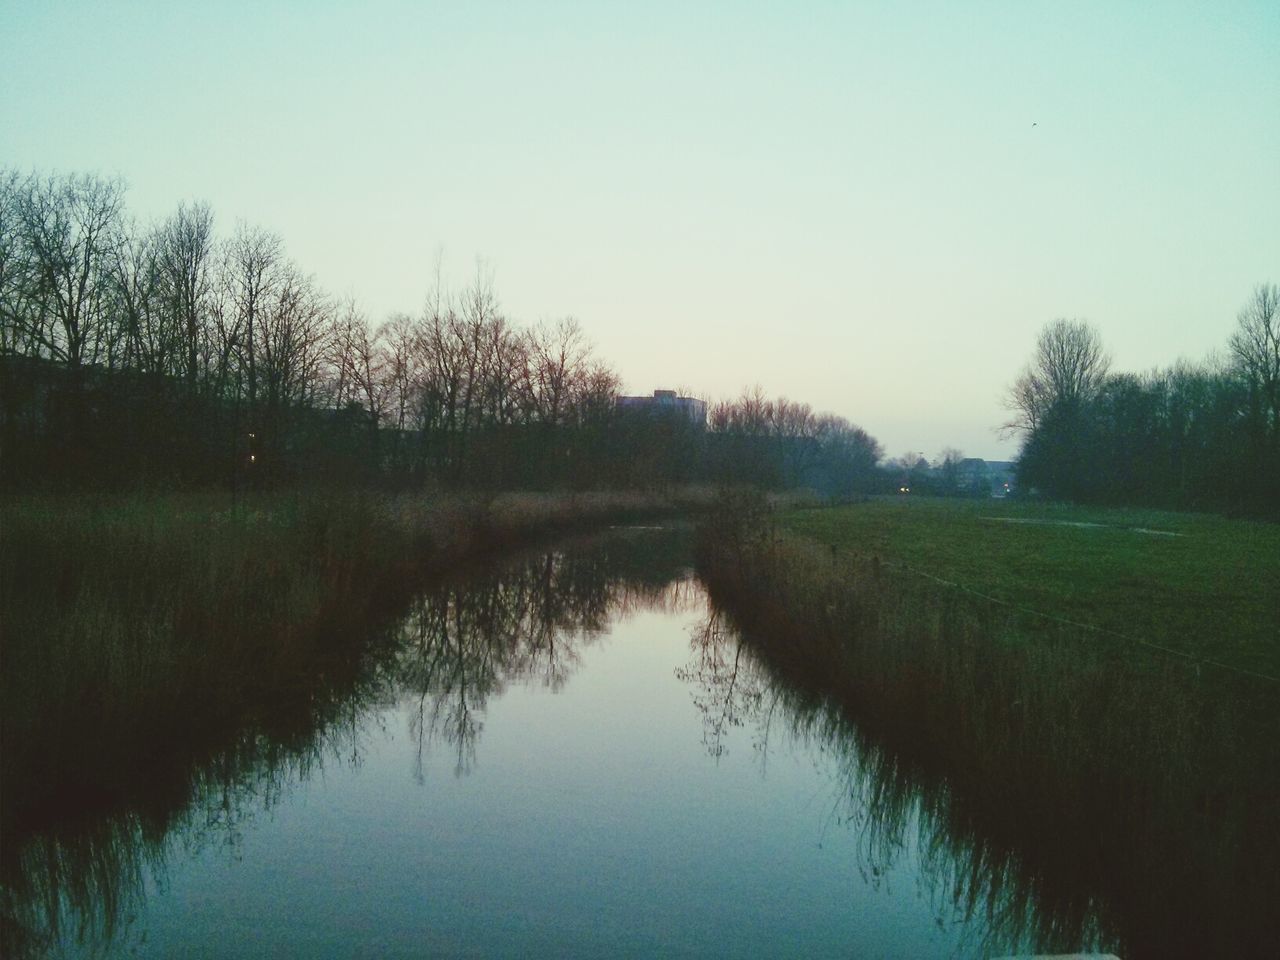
x=569 y=755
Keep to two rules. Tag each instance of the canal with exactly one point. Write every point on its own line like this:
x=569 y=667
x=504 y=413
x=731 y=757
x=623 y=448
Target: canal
x=567 y=754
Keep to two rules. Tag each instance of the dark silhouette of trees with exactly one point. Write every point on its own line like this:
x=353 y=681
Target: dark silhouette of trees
x=251 y=264
x=846 y=463
x=68 y=229
x=165 y=355
x=1193 y=435
x=1255 y=348
x=781 y=444
x=1065 y=373
x=948 y=468
x=184 y=253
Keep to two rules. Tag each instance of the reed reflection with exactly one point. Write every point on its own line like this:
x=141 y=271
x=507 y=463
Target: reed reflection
x=76 y=874
x=81 y=877
x=892 y=802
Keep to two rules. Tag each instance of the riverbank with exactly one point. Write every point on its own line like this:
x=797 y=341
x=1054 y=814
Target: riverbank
x=1143 y=782
x=131 y=625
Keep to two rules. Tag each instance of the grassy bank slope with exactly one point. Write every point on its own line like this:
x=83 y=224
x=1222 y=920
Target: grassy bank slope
x=1203 y=585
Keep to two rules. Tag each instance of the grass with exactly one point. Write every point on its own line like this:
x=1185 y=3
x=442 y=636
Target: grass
x=1212 y=591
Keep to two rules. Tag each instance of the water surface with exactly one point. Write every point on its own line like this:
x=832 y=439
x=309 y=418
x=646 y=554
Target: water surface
x=566 y=755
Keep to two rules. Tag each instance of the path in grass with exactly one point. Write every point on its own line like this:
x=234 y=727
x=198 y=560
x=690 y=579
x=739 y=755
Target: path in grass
x=1203 y=585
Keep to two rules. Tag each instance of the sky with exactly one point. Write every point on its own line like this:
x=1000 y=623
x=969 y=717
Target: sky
x=870 y=207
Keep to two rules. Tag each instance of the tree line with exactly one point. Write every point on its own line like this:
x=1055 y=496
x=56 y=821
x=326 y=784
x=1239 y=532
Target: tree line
x=166 y=354
x=780 y=443
x=1192 y=435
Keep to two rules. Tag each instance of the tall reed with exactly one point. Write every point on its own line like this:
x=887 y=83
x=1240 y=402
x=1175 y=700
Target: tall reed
x=101 y=790
x=164 y=619
x=1149 y=787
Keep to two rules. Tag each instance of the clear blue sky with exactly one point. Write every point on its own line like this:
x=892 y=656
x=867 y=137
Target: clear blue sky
x=873 y=207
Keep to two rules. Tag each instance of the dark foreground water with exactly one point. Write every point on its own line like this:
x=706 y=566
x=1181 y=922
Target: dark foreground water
x=567 y=756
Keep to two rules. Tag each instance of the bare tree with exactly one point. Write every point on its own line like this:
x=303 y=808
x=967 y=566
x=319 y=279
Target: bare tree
x=1067 y=370
x=852 y=452
x=472 y=331
x=148 y=340
x=251 y=260
x=442 y=346
x=403 y=343
x=226 y=332
x=557 y=357
x=506 y=360
x=1255 y=348
x=366 y=364
x=291 y=340
x=794 y=429
x=751 y=415
x=184 y=251
x=68 y=226
x=597 y=393
x=15 y=268
x=791 y=420
x=347 y=319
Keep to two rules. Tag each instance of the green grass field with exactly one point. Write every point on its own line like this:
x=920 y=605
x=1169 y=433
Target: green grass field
x=1204 y=585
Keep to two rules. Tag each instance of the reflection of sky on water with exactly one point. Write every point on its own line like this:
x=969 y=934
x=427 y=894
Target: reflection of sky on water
x=593 y=820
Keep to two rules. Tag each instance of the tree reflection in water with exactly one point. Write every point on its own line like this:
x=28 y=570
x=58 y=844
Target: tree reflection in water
x=467 y=641
x=79 y=875
x=892 y=803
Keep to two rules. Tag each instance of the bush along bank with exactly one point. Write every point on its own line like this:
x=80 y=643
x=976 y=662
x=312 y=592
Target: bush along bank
x=1146 y=786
